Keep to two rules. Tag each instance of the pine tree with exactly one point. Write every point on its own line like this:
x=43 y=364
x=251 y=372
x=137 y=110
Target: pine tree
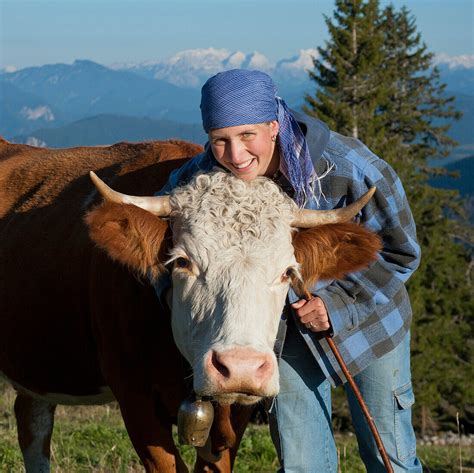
x=439 y=290
x=416 y=100
x=376 y=83
x=349 y=71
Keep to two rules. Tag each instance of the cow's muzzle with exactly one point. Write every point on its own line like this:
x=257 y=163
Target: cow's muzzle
x=240 y=374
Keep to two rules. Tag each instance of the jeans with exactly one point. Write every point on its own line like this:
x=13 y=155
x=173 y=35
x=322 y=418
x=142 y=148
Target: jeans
x=300 y=417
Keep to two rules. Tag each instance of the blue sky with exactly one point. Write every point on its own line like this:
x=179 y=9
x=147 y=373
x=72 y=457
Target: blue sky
x=37 y=32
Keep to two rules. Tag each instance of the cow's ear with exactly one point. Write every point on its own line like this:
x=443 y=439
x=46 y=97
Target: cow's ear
x=130 y=235
x=334 y=250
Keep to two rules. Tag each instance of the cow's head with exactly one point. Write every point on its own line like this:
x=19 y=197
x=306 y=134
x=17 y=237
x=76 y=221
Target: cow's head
x=235 y=247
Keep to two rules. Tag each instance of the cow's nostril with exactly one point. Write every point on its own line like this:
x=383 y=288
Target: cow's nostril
x=264 y=368
x=219 y=366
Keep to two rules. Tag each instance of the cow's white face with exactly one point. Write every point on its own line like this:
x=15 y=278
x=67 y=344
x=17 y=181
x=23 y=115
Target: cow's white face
x=231 y=256
x=233 y=252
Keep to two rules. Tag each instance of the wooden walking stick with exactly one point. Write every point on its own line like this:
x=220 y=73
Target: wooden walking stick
x=302 y=292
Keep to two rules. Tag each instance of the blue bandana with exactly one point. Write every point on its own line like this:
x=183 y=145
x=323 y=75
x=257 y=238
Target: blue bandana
x=242 y=97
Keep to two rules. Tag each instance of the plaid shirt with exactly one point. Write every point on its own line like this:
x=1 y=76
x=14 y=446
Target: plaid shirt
x=369 y=310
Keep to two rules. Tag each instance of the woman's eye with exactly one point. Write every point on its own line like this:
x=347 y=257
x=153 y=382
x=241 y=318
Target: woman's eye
x=182 y=262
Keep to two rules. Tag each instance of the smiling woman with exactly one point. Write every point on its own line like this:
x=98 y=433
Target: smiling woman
x=247 y=151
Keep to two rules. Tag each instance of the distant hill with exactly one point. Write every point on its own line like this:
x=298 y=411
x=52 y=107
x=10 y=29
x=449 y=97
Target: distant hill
x=463 y=130
x=464 y=183
x=22 y=112
x=458 y=79
x=86 y=88
x=107 y=129
x=55 y=94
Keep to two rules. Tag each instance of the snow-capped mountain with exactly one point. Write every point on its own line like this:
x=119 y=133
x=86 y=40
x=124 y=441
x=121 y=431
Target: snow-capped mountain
x=22 y=112
x=464 y=61
x=192 y=67
x=86 y=88
x=457 y=72
x=55 y=95
x=7 y=68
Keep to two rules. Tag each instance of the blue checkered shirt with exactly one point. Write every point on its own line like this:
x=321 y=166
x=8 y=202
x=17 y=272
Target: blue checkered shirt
x=369 y=310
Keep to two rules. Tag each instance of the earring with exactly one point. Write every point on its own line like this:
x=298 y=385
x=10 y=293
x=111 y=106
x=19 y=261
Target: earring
x=274 y=137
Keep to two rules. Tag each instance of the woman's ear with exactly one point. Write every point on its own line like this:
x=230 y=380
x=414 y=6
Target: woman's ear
x=275 y=127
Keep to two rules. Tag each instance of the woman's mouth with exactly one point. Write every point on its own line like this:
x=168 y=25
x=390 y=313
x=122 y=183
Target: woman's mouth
x=243 y=166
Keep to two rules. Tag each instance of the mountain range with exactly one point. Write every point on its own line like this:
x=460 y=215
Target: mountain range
x=192 y=67
x=74 y=98
x=106 y=129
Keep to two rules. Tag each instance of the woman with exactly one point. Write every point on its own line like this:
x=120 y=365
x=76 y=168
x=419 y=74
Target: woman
x=253 y=133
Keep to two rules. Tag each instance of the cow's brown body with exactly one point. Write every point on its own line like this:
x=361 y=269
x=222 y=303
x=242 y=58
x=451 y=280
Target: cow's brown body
x=73 y=322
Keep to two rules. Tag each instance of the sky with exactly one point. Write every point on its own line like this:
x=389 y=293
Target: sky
x=37 y=32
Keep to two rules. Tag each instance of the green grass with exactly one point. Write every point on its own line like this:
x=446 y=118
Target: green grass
x=93 y=439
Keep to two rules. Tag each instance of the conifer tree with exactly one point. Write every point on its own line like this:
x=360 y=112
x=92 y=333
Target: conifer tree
x=349 y=70
x=375 y=82
x=416 y=100
x=440 y=291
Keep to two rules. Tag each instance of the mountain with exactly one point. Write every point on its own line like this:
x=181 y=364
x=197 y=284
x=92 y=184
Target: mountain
x=55 y=94
x=22 y=112
x=463 y=61
x=457 y=72
x=464 y=168
x=7 y=69
x=459 y=81
x=86 y=88
x=463 y=130
x=108 y=129
x=463 y=183
x=191 y=68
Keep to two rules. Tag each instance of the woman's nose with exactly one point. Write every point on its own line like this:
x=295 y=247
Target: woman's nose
x=234 y=152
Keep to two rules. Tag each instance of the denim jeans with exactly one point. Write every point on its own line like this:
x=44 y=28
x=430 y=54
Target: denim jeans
x=300 y=418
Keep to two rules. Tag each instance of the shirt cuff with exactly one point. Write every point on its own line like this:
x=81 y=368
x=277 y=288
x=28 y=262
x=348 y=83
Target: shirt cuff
x=340 y=307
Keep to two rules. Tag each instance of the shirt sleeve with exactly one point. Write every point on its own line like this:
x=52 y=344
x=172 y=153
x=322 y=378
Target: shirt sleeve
x=349 y=302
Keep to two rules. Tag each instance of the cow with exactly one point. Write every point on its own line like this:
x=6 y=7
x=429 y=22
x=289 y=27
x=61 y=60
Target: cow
x=81 y=322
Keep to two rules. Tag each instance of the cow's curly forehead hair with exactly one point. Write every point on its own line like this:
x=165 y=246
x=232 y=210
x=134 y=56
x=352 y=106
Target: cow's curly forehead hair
x=219 y=202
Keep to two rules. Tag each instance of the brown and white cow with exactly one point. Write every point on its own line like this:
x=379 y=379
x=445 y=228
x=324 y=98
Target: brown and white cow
x=78 y=328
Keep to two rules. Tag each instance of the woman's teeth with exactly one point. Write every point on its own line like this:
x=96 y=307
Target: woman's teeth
x=244 y=165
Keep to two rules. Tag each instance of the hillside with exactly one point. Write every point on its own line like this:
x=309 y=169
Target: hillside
x=108 y=129
x=55 y=94
x=464 y=183
x=86 y=88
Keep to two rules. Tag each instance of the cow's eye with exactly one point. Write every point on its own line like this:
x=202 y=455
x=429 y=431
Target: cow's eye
x=182 y=262
x=287 y=275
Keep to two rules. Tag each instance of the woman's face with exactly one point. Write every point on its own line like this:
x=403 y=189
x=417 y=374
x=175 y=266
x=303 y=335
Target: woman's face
x=247 y=151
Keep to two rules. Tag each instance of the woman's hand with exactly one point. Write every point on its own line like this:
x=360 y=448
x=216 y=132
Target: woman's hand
x=312 y=314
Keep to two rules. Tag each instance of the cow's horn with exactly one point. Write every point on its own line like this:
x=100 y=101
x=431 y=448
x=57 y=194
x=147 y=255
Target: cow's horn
x=158 y=205
x=306 y=218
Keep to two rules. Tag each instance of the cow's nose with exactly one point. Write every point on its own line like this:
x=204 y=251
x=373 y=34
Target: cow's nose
x=240 y=370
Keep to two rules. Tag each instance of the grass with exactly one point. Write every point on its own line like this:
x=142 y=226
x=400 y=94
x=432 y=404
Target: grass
x=93 y=439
